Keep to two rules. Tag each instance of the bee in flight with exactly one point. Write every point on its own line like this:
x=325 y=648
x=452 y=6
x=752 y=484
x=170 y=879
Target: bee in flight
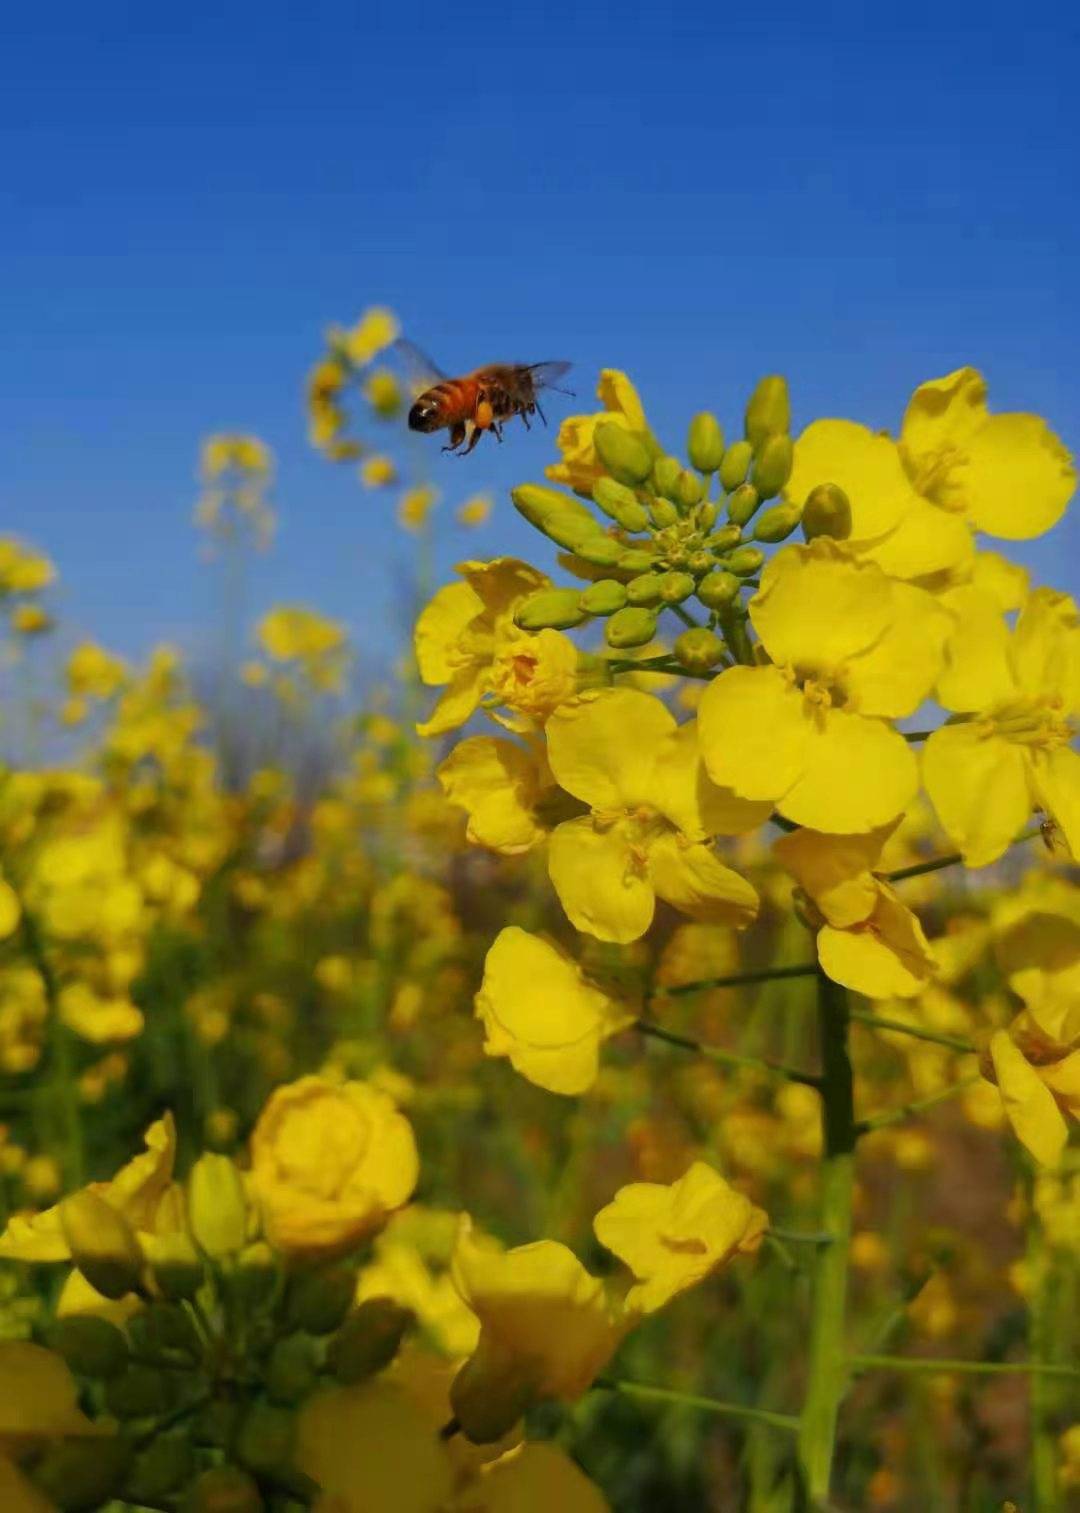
x=483 y=400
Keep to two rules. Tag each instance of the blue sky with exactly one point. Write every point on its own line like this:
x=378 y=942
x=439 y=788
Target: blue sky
x=858 y=196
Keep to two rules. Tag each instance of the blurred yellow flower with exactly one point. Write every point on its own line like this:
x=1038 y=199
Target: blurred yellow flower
x=96 y=1019
x=539 y=1010
x=378 y=471
x=376 y=330
x=466 y=638
x=329 y=1163
x=30 y=620
x=247 y=454
x=673 y=1237
x=475 y=510
x=383 y=393
x=94 y=673
x=1039 y=1082
x=1020 y=693
x=535 y=1478
x=851 y=649
x=38 y=1399
x=618 y=752
x=547 y=1329
x=868 y=940
x=580 y=467
x=956 y=467
x=414 y=507
x=23 y=570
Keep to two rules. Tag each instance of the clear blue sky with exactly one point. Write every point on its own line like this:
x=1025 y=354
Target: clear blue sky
x=861 y=196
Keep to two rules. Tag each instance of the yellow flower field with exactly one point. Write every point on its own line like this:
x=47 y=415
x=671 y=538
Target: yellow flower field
x=629 y=1060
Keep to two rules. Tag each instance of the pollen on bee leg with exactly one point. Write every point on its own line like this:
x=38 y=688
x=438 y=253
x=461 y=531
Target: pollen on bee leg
x=484 y=415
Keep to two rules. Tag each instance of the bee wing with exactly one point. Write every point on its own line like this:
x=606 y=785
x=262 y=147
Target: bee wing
x=419 y=368
x=545 y=374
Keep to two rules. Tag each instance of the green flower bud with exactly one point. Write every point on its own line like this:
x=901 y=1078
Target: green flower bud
x=665 y=474
x=772 y=465
x=698 y=650
x=318 y=1300
x=175 y=1265
x=224 y=1489
x=91 y=1346
x=103 y=1244
x=163 y=1330
x=624 y=454
x=636 y=561
x=742 y=503
x=603 y=597
x=706 y=515
x=736 y=464
x=165 y=1465
x=572 y=533
x=632 y=626
x=718 y=590
x=827 y=512
x=264 y=1443
x=662 y=513
x=488 y=1400
x=550 y=609
x=644 y=590
x=600 y=550
x=538 y=504
x=689 y=490
x=623 y=506
x=768 y=410
x=254 y=1279
x=140 y=1392
x=80 y=1474
x=217 y=1206
x=705 y=443
x=216 y=1424
x=725 y=538
x=368 y=1340
x=675 y=587
x=745 y=561
x=777 y=522
x=677 y=556
x=699 y=563
x=292 y=1369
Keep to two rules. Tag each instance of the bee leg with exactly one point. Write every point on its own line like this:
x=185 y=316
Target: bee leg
x=525 y=417
x=539 y=411
x=478 y=431
x=457 y=436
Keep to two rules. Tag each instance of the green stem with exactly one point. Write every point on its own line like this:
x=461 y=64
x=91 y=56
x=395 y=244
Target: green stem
x=799 y=1237
x=826 y=1367
x=908 y=1110
x=736 y=980
x=734 y=629
x=942 y=1367
x=951 y=860
x=916 y=735
x=1043 y=1323
x=685 y=616
x=899 y=1027
x=691 y=1400
x=724 y=1058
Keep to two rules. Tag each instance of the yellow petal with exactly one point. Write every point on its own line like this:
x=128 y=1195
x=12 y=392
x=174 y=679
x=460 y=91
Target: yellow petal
x=497 y=784
x=978 y=785
x=895 y=675
x=887 y=957
x=835 y=870
x=978 y=670
x=693 y=879
x=944 y=412
x=753 y=732
x=926 y=540
x=500 y=583
x=1017 y=477
x=603 y=890
x=683 y=791
x=17 y=1495
x=371 y=1448
x=1046 y=648
x=455 y=705
x=865 y=464
x=38 y=1237
x=38 y=1398
x=439 y=629
x=535 y=1478
x=603 y=748
x=857 y=774
x=1029 y=1105
x=1055 y=782
x=818 y=606
x=1006 y=582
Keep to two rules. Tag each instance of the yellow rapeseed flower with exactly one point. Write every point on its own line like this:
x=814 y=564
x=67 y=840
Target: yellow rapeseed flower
x=539 y=1010
x=580 y=467
x=414 y=507
x=868 y=939
x=475 y=510
x=466 y=638
x=329 y=1163
x=378 y=471
x=673 y=1237
x=376 y=330
x=851 y=649
x=500 y=786
x=955 y=467
x=1038 y=1078
x=23 y=570
x=1020 y=693
x=30 y=620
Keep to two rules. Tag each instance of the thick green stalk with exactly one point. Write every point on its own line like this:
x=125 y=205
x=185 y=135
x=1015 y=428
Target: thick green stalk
x=827 y=1365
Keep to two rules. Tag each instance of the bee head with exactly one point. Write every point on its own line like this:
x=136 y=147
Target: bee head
x=424 y=415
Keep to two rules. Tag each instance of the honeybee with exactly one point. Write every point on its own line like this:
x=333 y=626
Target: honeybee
x=483 y=400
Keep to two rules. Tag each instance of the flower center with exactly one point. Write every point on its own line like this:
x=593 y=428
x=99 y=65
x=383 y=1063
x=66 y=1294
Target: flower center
x=934 y=475
x=1035 y=720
